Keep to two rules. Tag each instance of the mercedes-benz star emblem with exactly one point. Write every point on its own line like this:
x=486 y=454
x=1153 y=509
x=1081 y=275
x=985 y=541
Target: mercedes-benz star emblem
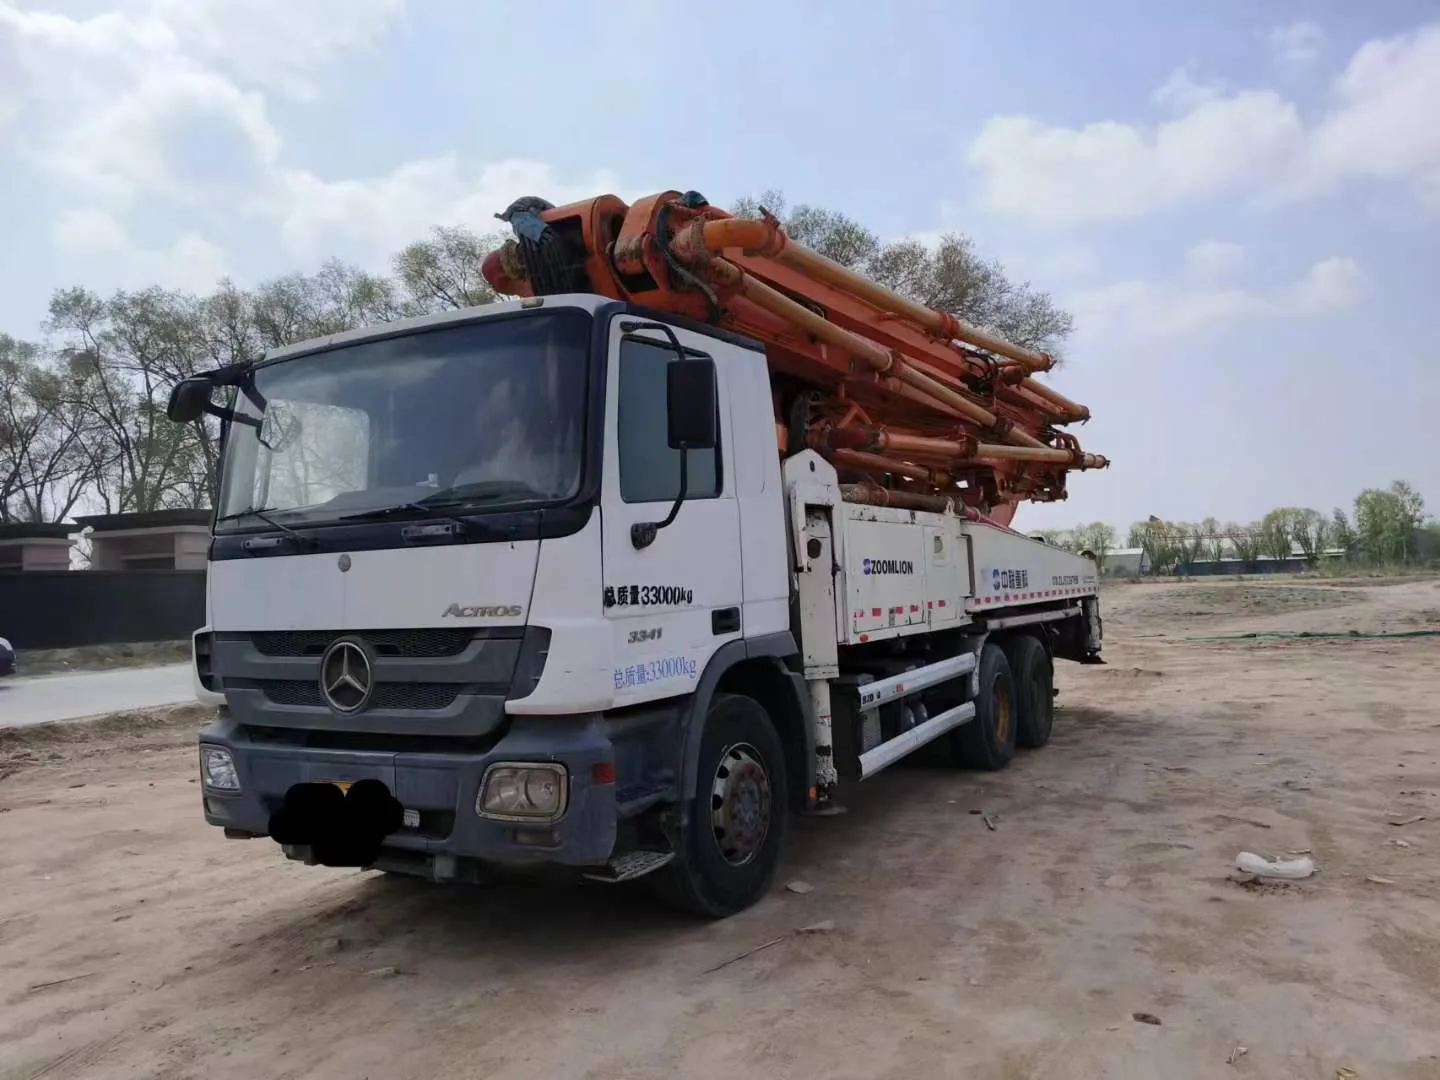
x=345 y=676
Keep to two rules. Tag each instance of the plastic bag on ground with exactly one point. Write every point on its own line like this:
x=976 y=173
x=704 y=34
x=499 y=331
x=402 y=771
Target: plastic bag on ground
x=1247 y=862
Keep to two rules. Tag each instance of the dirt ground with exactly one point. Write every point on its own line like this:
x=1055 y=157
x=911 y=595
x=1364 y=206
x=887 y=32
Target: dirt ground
x=101 y=657
x=136 y=942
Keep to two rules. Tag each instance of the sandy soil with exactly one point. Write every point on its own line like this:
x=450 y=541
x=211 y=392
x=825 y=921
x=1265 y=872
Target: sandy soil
x=101 y=657
x=136 y=942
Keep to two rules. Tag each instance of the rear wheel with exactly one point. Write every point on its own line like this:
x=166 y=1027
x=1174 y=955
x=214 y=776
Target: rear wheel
x=988 y=741
x=1034 y=675
x=730 y=844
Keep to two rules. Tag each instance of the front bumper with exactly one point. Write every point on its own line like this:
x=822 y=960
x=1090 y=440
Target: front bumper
x=441 y=787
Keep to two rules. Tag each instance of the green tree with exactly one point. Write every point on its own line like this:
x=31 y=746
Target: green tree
x=1386 y=519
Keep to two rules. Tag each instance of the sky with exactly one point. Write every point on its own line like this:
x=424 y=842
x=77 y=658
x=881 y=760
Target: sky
x=1239 y=201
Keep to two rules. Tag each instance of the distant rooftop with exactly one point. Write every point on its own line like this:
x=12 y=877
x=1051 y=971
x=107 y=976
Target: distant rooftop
x=151 y=519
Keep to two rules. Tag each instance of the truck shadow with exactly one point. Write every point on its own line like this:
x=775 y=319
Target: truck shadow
x=904 y=816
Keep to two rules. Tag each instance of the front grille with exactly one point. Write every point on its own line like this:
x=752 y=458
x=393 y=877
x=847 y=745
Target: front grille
x=424 y=696
x=292 y=693
x=414 y=696
x=400 y=643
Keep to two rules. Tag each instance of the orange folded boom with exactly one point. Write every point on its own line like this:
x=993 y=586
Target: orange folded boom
x=911 y=404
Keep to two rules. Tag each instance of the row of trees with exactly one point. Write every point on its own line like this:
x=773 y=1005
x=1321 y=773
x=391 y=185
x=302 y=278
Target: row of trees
x=82 y=424
x=1387 y=526
x=82 y=414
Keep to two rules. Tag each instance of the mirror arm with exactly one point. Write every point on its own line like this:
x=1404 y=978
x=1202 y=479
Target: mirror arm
x=632 y=327
x=643 y=533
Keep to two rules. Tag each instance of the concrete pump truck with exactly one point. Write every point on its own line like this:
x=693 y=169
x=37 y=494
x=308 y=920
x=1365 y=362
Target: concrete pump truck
x=621 y=572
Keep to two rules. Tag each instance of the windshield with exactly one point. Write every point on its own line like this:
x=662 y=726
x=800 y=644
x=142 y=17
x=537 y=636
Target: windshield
x=490 y=413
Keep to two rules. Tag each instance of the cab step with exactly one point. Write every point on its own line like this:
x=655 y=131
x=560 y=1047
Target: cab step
x=631 y=865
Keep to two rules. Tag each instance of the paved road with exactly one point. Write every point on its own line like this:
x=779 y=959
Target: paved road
x=43 y=698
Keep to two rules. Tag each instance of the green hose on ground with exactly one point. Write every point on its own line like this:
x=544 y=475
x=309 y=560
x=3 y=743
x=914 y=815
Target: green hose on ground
x=1320 y=634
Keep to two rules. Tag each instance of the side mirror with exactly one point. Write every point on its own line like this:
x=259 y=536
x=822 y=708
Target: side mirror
x=690 y=405
x=190 y=400
x=691 y=424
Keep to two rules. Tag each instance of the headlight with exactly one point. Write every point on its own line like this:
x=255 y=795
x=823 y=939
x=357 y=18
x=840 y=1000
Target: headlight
x=218 y=769
x=515 y=792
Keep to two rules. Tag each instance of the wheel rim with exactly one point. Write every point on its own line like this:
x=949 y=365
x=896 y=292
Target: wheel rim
x=1004 y=712
x=740 y=804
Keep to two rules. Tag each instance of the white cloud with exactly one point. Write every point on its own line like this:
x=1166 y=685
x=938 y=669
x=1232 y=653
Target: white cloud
x=390 y=210
x=115 y=261
x=1065 y=264
x=1113 y=171
x=1296 y=43
x=1183 y=92
x=1165 y=311
x=280 y=44
x=1251 y=143
x=112 y=106
x=88 y=231
x=1329 y=285
x=1212 y=260
x=104 y=96
x=191 y=262
x=1383 y=123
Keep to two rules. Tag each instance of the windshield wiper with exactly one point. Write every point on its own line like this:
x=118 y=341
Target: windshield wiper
x=428 y=510
x=484 y=491
x=436 y=505
x=263 y=513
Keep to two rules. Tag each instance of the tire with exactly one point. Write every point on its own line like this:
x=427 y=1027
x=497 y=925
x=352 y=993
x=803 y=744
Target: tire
x=719 y=871
x=987 y=742
x=1034 y=675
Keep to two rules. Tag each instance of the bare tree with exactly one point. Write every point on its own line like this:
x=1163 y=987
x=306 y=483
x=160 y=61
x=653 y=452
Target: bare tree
x=1098 y=538
x=44 y=467
x=118 y=354
x=1342 y=534
x=1275 y=535
x=1310 y=531
x=1060 y=538
x=1246 y=539
x=443 y=272
x=1216 y=543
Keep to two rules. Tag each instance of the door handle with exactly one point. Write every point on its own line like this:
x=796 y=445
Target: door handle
x=725 y=620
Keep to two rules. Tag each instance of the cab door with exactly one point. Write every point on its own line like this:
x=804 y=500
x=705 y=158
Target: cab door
x=670 y=604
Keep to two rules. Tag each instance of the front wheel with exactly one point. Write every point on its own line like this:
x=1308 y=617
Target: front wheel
x=730 y=843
